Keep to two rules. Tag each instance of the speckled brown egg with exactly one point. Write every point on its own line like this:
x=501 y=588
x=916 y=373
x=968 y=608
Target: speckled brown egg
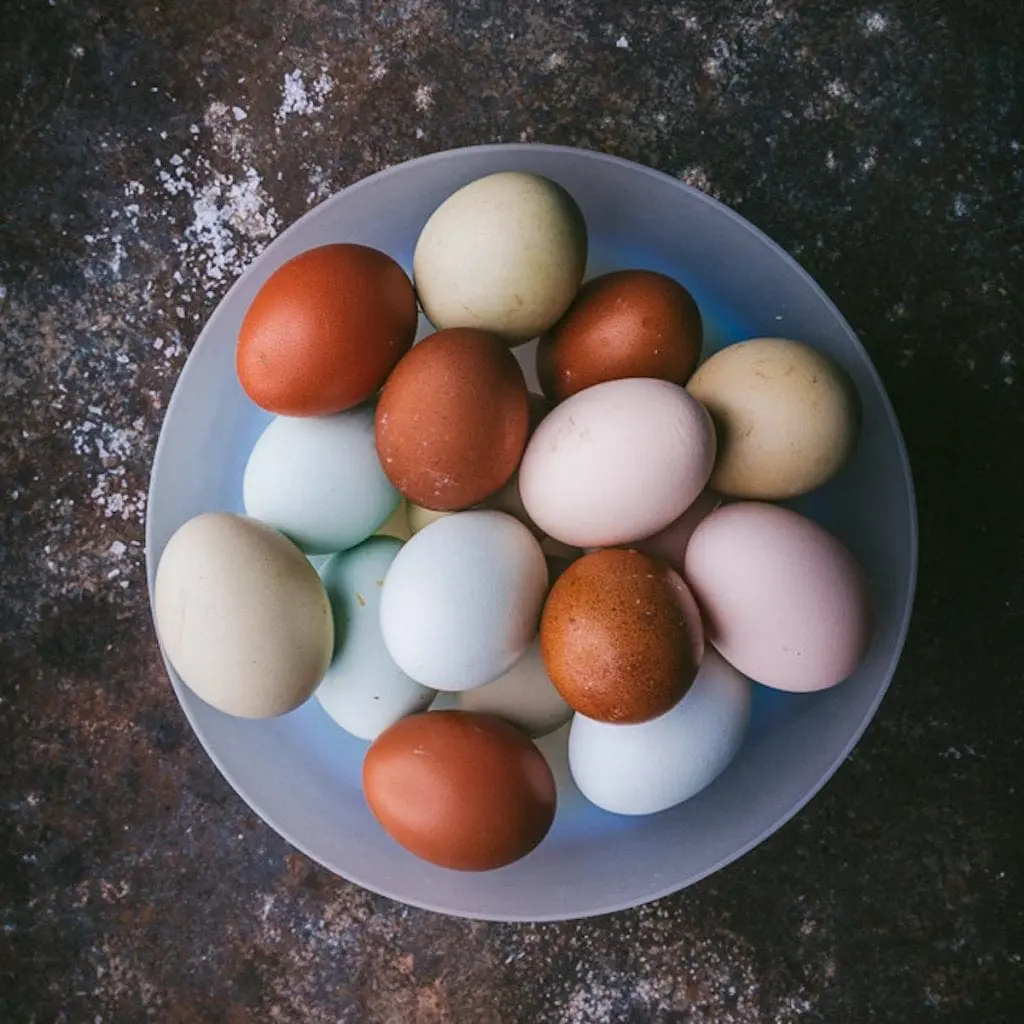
x=621 y=636
x=631 y=323
x=452 y=420
x=460 y=789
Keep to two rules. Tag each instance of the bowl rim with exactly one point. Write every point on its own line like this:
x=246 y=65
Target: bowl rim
x=780 y=253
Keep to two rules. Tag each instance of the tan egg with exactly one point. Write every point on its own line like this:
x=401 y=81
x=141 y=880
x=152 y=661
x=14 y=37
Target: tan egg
x=420 y=517
x=398 y=525
x=786 y=417
x=505 y=253
x=242 y=615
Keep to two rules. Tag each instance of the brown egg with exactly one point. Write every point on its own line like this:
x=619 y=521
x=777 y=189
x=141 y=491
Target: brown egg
x=452 y=419
x=325 y=330
x=460 y=789
x=621 y=636
x=631 y=323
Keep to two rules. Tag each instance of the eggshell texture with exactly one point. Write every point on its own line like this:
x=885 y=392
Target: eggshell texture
x=462 y=790
x=506 y=253
x=452 y=420
x=631 y=323
x=783 y=600
x=786 y=416
x=325 y=330
x=616 y=462
x=671 y=542
x=621 y=636
x=524 y=697
x=364 y=691
x=649 y=767
x=462 y=599
x=242 y=616
x=318 y=480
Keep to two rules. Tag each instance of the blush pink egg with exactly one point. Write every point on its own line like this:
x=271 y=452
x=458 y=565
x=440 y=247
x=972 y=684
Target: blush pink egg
x=783 y=600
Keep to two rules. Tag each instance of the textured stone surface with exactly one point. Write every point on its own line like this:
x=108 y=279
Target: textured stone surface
x=148 y=151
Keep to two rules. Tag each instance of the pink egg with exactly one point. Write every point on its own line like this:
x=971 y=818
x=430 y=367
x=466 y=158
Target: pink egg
x=617 y=461
x=783 y=600
x=671 y=542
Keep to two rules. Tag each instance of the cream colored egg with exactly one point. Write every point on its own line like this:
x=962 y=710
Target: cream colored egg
x=420 y=517
x=506 y=253
x=398 y=525
x=242 y=615
x=785 y=414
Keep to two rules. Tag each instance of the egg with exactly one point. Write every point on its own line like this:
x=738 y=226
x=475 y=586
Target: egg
x=671 y=543
x=621 y=636
x=363 y=690
x=325 y=330
x=459 y=789
x=452 y=420
x=786 y=415
x=318 y=480
x=419 y=517
x=616 y=462
x=462 y=599
x=651 y=766
x=242 y=616
x=783 y=600
x=630 y=323
x=398 y=525
x=524 y=697
x=505 y=253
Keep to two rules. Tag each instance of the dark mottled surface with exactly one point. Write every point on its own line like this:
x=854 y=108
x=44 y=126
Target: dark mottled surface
x=147 y=151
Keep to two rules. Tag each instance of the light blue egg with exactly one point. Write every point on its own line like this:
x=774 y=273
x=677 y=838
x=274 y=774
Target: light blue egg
x=364 y=691
x=318 y=480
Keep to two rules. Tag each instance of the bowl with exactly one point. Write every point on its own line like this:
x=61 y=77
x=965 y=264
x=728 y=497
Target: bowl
x=301 y=774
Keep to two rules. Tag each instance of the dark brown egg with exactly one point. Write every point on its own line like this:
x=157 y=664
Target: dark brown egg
x=325 y=330
x=452 y=420
x=460 y=789
x=621 y=636
x=631 y=323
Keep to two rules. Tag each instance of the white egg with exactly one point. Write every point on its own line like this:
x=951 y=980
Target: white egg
x=616 y=462
x=524 y=696
x=462 y=599
x=318 y=480
x=649 y=767
x=364 y=691
x=506 y=253
x=242 y=616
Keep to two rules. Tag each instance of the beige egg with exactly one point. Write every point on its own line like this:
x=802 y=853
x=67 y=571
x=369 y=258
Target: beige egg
x=398 y=525
x=242 y=615
x=506 y=253
x=420 y=517
x=786 y=417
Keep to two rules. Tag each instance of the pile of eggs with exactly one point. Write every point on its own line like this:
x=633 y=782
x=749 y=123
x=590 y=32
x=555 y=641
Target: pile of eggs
x=500 y=563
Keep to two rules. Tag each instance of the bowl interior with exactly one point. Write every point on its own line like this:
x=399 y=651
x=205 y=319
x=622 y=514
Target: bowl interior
x=301 y=774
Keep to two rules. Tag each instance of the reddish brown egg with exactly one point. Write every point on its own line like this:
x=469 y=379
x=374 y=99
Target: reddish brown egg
x=460 y=789
x=452 y=419
x=631 y=323
x=621 y=636
x=325 y=330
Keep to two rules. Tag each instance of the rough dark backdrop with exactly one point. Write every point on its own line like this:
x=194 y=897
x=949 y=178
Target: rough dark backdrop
x=148 y=151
